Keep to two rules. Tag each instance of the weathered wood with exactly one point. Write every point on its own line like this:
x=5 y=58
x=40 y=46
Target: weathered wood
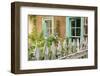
x=78 y=49
x=53 y=50
x=46 y=52
x=59 y=49
x=72 y=50
x=76 y=55
x=37 y=53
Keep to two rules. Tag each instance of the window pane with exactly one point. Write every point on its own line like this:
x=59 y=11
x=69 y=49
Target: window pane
x=78 y=32
x=78 y=22
x=73 y=32
x=73 y=23
x=72 y=20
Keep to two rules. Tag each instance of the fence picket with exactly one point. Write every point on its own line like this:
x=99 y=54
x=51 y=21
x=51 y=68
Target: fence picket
x=78 y=49
x=60 y=50
x=53 y=51
x=37 y=53
x=65 y=47
x=74 y=46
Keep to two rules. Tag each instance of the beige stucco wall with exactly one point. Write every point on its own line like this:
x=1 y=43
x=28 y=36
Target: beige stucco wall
x=31 y=23
x=60 y=22
x=39 y=23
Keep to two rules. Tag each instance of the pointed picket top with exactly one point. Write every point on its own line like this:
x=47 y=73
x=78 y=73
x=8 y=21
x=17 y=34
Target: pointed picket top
x=53 y=50
x=46 y=51
x=59 y=49
x=86 y=43
x=59 y=46
x=78 y=49
x=53 y=47
x=37 y=52
x=65 y=44
x=82 y=44
x=74 y=45
x=69 y=47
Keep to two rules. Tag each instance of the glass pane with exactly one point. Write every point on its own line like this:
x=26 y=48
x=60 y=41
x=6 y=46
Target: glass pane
x=72 y=20
x=73 y=32
x=78 y=22
x=78 y=32
x=73 y=23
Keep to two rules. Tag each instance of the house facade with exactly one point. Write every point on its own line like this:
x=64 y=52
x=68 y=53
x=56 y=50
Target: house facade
x=62 y=26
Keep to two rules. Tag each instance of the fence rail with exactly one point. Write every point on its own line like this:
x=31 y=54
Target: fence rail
x=76 y=55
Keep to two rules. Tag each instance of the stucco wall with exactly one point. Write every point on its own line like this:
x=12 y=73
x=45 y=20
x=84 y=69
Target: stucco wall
x=39 y=23
x=31 y=23
x=60 y=22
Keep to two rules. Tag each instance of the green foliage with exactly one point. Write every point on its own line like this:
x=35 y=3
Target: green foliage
x=33 y=18
x=51 y=39
x=38 y=38
x=35 y=38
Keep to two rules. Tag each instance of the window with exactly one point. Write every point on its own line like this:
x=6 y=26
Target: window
x=75 y=23
x=48 y=25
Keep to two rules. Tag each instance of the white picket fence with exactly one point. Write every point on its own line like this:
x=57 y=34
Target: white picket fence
x=76 y=55
x=64 y=50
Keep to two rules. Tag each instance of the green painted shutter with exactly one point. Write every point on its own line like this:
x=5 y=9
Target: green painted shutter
x=68 y=30
x=68 y=27
x=44 y=29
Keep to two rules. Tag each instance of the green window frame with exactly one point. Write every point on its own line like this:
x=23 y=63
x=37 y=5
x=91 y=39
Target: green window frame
x=74 y=27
